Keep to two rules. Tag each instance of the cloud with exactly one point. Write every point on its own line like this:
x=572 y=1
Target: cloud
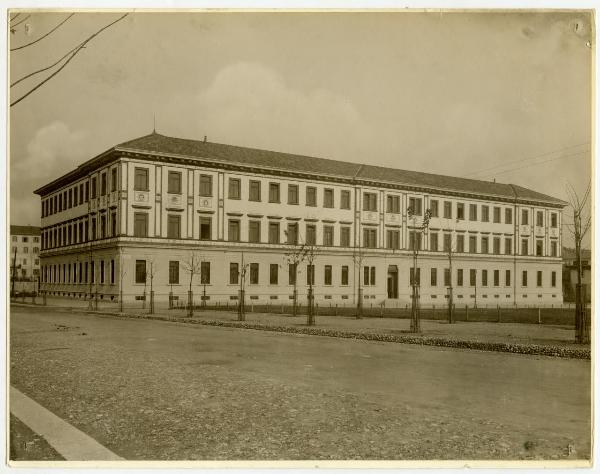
x=50 y=153
x=250 y=104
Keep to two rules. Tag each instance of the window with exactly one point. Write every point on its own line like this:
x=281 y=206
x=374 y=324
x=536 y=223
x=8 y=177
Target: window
x=254 y=232
x=508 y=215
x=310 y=274
x=206 y=185
x=205 y=273
x=328 y=198
x=370 y=238
x=553 y=249
x=63 y=206
x=472 y=244
x=447 y=281
x=460 y=243
x=293 y=196
x=103 y=187
x=473 y=277
x=233 y=231
x=273 y=274
x=173 y=272
x=113 y=224
x=327 y=276
x=485 y=245
x=485 y=213
x=459 y=277
x=434 y=207
x=414 y=240
x=460 y=211
x=553 y=279
x=539 y=248
x=369 y=275
x=540 y=219
x=205 y=228
x=274 y=192
x=311 y=234
x=234 y=273
x=102 y=228
x=345 y=236
x=447 y=210
x=392 y=239
x=235 y=188
x=415 y=205
x=508 y=246
x=86 y=195
x=484 y=277
x=173 y=226
x=539 y=278
x=25 y=250
x=497 y=215
x=273 y=232
x=433 y=277
x=140 y=271
x=411 y=276
x=292 y=274
x=101 y=272
x=140 y=180
x=71 y=193
x=311 y=196
x=254 y=191
x=524 y=246
x=113 y=182
x=292 y=233
x=140 y=224
x=344 y=275
x=174 y=182
x=507 y=278
x=524 y=217
x=496 y=245
x=36 y=250
x=496 y=277
x=433 y=242
x=472 y=212
x=393 y=204
x=524 y=278
x=345 y=199
x=447 y=242
x=369 y=202
x=328 y=235
x=553 y=220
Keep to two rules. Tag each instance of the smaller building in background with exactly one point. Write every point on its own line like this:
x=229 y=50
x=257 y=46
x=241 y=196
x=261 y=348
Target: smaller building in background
x=24 y=252
x=570 y=273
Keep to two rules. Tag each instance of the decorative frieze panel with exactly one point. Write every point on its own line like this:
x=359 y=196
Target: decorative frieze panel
x=371 y=217
x=554 y=232
x=205 y=202
x=174 y=201
x=395 y=219
x=141 y=197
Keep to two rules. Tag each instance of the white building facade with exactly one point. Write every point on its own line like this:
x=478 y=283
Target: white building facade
x=24 y=252
x=140 y=211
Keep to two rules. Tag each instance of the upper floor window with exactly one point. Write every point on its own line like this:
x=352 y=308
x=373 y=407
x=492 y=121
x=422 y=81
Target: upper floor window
x=93 y=190
x=460 y=243
x=174 y=184
x=369 y=202
x=508 y=215
x=328 y=235
x=311 y=196
x=205 y=228
x=235 y=188
x=539 y=248
x=293 y=197
x=434 y=208
x=273 y=232
x=311 y=234
x=540 y=219
x=206 y=185
x=234 y=231
x=415 y=206
x=292 y=233
x=393 y=204
x=103 y=186
x=497 y=215
x=254 y=191
x=460 y=211
x=274 y=192
x=447 y=210
x=345 y=199
x=328 y=197
x=370 y=238
x=140 y=180
x=524 y=217
x=25 y=239
x=173 y=226
x=472 y=212
x=254 y=231
x=485 y=213
x=553 y=220
x=345 y=236
x=485 y=245
x=113 y=180
x=393 y=239
x=508 y=246
x=140 y=224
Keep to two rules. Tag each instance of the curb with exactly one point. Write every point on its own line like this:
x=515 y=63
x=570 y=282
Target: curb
x=527 y=349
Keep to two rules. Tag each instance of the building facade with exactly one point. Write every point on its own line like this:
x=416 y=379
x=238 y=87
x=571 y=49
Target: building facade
x=25 y=245
x=141 y=210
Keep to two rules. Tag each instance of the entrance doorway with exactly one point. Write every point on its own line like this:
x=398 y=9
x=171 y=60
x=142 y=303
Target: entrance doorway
x=392 y=282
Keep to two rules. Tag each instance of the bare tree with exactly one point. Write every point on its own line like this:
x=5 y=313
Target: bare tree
x=580 y=226
x=310 y=252
x=151 y=275
x=122 y=274
x=243 y=270
x=358 y=258
x=192 y=266
x=294 y=257
x=61 y=63
x=415 y=322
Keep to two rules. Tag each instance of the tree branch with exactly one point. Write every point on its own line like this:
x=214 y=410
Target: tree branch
x=17 y=24
x=45 y=36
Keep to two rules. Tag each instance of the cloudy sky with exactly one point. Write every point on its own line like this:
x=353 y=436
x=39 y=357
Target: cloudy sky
x=503 y=96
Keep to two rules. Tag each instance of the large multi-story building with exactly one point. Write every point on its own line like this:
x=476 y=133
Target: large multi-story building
x=141 y=209
x=24 y=252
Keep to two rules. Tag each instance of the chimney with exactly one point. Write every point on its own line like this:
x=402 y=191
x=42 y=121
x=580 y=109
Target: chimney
x=204 y=138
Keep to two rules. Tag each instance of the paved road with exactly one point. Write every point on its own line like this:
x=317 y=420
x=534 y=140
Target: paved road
x=159 y=390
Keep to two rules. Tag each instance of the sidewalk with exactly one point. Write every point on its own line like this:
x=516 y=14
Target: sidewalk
x=503 y=337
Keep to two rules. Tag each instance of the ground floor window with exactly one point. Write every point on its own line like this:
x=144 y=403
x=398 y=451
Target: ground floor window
x=254 y=273
x=140 y=271
x=173 y=272
x=233 y=273
x=273 y=274
x=205 y=273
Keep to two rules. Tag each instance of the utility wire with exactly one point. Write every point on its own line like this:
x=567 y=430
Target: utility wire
x=79 y=48
x=540 y=163
x=535 y=157
x=15 y=17
x=45 y=36
x=17 y=24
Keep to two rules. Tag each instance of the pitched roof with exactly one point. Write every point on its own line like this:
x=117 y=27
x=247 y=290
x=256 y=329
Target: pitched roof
x=24 y=230
x=156 y=143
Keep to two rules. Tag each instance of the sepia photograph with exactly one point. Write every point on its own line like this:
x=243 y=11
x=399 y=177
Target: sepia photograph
x=275 y=236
